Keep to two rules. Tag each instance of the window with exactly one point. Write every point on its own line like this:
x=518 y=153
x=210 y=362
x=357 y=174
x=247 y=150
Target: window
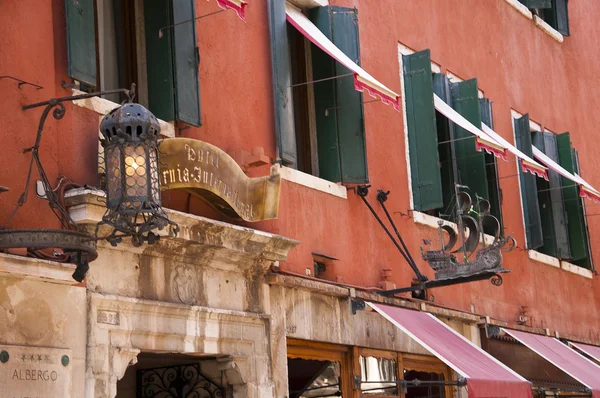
x=426 y=369
x=378 y=373
x=554 y=214
x=318 y=370
x=443 y=157
x=553 y=12
x=319 y=114
x=113 y=43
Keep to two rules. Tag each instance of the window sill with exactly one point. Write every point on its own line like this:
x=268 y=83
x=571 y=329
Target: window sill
x=521 y=8
x=308 y=4
x=432 y=222
x=102 y=106
x=555 y=262
x=543 y=25
x=310 y=181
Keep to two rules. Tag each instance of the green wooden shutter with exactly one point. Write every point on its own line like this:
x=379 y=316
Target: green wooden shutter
x=445 y=136
x=586 y=262
x=572 y=201
x=81 y=40
x=470 y=164
x=159 y=56
x=491 y=166
x=545 y=204
x=558 y=16
x=281 y=75
x=537 y=3
x=531 y=209
x=422 y=135
x=559 y=217
x=338 y=106
x=185 y=63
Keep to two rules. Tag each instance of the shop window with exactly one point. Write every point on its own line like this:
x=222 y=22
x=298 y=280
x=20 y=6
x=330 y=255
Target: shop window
x=554 y=214
x=554 y=12
x=319 y=114
x=442 y=155
x=114 y=43
x=378 y=373
x=425 y=369
x=318 y=370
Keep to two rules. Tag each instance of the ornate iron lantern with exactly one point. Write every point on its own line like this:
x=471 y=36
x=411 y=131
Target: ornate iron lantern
x=132 y=175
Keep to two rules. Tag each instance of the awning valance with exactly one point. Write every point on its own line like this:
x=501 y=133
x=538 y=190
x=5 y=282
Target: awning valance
x=239 y=6
x=560 y=355
x=527 y=164
x=362 y=80
x=585 y=189
x=591 y=350
x=485 y=375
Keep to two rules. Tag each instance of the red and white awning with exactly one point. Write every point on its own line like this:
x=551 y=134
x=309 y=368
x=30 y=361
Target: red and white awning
x=239 y=6
x=527 y=164
x=560 y=355
x=485 y=375
x=585 y=189
x=591 y=350
x=362 y=80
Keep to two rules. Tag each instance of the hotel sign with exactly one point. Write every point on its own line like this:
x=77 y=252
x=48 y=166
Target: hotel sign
x=29 y=371
x=212 y=175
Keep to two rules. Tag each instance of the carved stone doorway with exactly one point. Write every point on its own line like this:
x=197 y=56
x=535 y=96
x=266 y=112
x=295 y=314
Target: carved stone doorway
x=176 y=376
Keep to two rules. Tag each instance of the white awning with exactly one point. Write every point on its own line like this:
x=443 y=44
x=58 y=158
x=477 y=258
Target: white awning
x=585 y=189
x=362 y=80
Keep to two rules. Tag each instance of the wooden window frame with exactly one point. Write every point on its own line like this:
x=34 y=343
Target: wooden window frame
x=303 y=349
x=371 y=352
x=424 y=363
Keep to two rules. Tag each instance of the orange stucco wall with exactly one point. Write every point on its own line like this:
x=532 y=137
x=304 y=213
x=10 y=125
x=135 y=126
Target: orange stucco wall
x=517 y=65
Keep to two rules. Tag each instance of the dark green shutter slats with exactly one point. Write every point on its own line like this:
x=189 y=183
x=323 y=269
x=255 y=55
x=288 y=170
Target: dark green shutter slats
x=81 y=40
x=161 y=93
x=573 y=203
x=545 y=204
x=558 y=16
x=185 y=63
x=561 y=233
x=470 y=164
x=282 y=94
x=338 y=106
x=491 y=166
x=531 y=210
x=422 y=135
x=537 y=3
x=586 y=262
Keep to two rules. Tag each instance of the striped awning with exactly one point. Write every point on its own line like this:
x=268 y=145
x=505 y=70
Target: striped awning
x=239 y=6
x=362 y=80
x=585 y=189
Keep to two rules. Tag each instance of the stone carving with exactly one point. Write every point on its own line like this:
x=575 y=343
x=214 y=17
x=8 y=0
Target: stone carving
x=184 y=284
x=122 y=358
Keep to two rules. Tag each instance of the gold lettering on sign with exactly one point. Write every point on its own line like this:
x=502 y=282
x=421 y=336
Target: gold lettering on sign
x=209 y=173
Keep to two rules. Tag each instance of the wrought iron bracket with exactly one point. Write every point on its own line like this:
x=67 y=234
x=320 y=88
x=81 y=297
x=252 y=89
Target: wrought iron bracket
x=495 y=279
x=357 y=305
x=403 y=384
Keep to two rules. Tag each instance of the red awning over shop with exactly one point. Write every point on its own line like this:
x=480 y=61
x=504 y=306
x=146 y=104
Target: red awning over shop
x=239 y=6
x=485 y=375
x=362 y=80
x=591 y=350
x=560 y=355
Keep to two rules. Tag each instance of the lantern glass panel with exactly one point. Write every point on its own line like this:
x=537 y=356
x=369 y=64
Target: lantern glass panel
x=154 y=183
x=114 y=174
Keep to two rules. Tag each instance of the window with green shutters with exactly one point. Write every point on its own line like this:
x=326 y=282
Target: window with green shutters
x=554 y=12
x=104 y=53
x=318 y=113
x=442 y=155
x=554 y=214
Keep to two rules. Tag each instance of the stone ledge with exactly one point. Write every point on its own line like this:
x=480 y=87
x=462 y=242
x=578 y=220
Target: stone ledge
x=37 y=269
x=520 y=8
x=200 y=239
x=310 y=181
x=102 y=106
x=543 y=25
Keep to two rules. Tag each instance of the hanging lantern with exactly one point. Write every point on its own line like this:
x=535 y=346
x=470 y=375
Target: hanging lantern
x=132 y=175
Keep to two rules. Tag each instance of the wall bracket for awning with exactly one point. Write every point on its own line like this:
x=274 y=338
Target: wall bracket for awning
x=405 y=384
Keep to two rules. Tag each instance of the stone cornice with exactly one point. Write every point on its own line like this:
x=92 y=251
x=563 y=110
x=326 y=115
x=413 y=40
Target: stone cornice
x=200 y=239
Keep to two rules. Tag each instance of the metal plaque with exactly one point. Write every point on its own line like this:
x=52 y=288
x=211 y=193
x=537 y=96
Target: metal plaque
x=211 y=174
x=35 y=372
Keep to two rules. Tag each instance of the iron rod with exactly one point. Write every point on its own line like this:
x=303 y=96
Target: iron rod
x=55 y=101
x=321 y=80
x=389 y=234
x=160 y=34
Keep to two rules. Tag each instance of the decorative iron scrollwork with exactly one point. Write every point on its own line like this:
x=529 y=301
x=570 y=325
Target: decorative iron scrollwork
x=181 y=381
